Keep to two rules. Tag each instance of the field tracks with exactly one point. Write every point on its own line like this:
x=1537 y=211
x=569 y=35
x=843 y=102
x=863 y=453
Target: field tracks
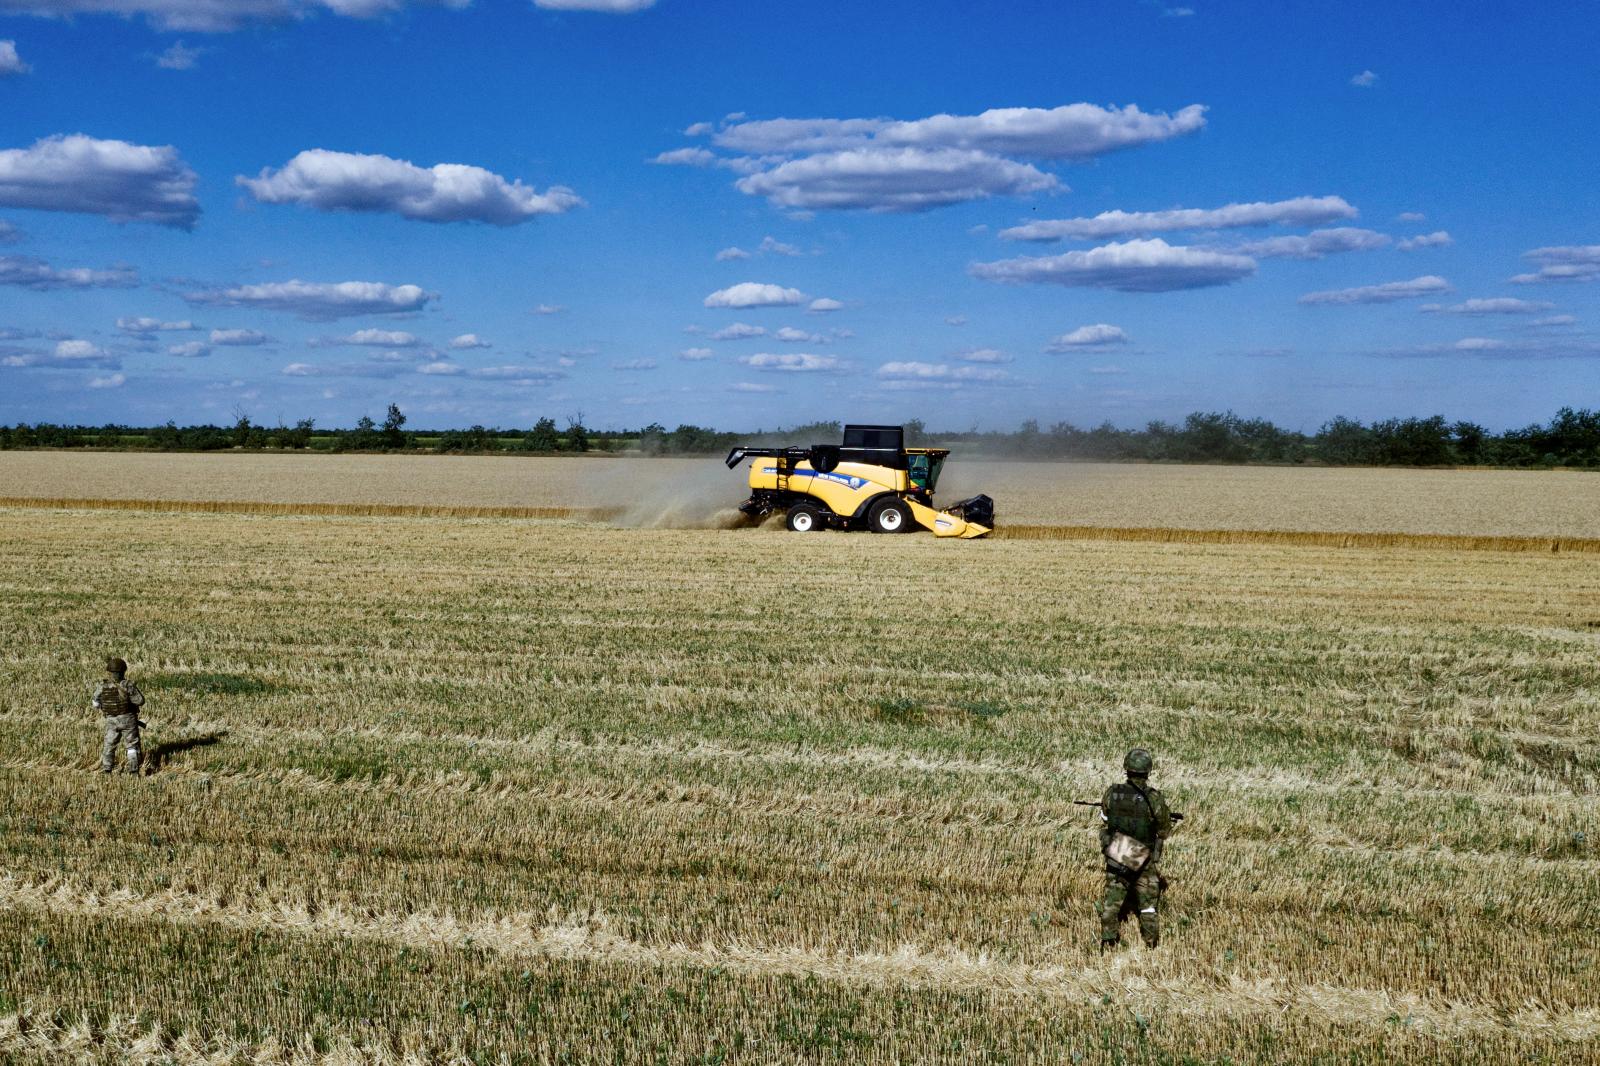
x=350 y=510
x=691 y=748
x=586 y=936
x=1150 y=534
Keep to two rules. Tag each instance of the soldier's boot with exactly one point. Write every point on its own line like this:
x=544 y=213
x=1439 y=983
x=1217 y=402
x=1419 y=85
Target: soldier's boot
x=135 y=760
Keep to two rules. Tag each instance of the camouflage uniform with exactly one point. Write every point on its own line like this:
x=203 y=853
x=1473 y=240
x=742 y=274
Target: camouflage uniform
x=1136 y=809
x=119 y=700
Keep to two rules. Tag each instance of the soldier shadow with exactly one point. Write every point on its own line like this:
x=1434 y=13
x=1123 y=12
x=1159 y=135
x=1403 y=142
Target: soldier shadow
x=158 y=756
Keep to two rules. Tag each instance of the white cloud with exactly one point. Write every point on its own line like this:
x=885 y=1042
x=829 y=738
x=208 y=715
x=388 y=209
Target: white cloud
x=1411 y=216
x=1388 y=292
x=754 y=294
x=956 y=320
x=1072 y=131
x=751 y=386
x=739 y=331
x=728 y=254
x=791 y=362
x=30 y=273
x=153 y=325
x=78 y=349
x=124 y=182
x=1555 y=320
x=1365 y=80
x=317 y=300
x=1107 y=370
x=212 y=16
x=894 y=179
x=1134 y=266
x=919 y=375
x=548 y=309
x=42 y=359
x=823 y=305
x=635 y=364
x=1314 y=245
x=1300 y=211
x=790 y=335
x=380 y=338
x=880 y=164
x=1099 y=335
x=68 y=354
x=238 y=338
x=108 y=381
x=190 y=350
x=342 y=370
x=406 y=355
x=698 y=129
x=1436 y=239
x=984 y=355
x=10 y=63
x=1563 y=263
x=797 y=136
x=609 y=7
x=446 y=192
x=772 y=246
x=686 y=157
x=694 y=355
x=1493 y=348
x=512 y=375
x=179 y=57
x=469 y=340
x=9 y=234
x=1499 y=305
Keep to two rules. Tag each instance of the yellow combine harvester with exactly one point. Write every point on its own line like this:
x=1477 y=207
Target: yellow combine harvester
x=871 y=481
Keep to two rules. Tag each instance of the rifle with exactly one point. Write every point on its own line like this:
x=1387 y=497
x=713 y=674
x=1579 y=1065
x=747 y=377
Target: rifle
x=1176 y=817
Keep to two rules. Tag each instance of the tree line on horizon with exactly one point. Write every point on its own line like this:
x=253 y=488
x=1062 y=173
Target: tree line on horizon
x=1570 y=439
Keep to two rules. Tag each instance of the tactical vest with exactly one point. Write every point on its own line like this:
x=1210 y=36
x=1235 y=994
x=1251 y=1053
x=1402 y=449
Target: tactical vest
x=112 y=699
x=1127 y=812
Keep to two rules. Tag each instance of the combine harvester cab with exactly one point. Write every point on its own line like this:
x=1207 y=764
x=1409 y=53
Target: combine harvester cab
x=871 y=481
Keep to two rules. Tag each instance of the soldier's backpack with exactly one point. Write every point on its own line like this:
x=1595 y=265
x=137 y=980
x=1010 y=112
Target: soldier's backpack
x=1126 y=854
x=112 y=700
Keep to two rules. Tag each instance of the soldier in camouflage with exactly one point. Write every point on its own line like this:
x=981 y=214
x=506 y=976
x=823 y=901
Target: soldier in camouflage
x=119 y=700
x=1133 y=809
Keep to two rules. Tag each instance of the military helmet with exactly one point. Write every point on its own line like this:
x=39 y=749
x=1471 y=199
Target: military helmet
x=115 y=666
x=1138 y=762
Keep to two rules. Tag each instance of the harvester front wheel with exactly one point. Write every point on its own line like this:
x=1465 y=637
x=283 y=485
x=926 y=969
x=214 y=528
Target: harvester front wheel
x=804 y=518
x=889 y=515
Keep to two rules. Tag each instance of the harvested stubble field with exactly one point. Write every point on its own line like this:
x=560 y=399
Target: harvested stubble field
x=547 y=791
x=681 y=491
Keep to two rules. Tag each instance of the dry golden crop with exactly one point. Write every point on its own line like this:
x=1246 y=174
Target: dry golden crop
x=430 y=788
x=1489 y=503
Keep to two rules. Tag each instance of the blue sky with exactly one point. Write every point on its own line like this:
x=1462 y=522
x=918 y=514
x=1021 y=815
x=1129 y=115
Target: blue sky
x=751 y=214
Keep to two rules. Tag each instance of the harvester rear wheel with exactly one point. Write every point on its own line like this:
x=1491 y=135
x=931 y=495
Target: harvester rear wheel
x=889 y=515
x=804 y=518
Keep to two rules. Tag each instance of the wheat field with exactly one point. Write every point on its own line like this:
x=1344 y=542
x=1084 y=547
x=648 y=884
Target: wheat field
x=1483 y=503
x=516 y=790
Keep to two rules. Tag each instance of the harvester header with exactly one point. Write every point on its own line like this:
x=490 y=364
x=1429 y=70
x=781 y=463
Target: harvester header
x=870 y=481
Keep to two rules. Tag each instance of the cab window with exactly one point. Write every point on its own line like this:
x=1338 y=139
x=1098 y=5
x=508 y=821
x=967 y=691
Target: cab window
x=923 y=471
